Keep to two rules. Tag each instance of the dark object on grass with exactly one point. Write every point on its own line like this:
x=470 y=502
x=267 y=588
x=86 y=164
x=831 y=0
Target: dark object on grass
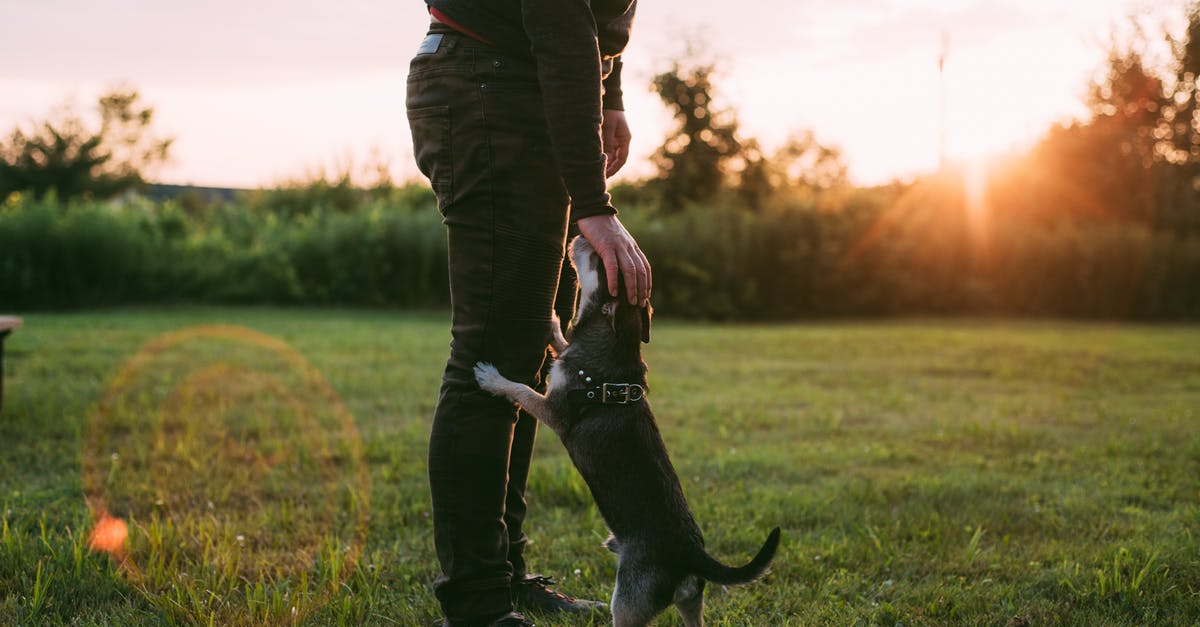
x=7 y=324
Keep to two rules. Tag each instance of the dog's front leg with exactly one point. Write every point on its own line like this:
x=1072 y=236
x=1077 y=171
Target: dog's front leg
x=490 y=379
x=558 y=342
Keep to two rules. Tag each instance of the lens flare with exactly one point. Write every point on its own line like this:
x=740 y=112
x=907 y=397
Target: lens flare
x=226 y=477
x=109 y=535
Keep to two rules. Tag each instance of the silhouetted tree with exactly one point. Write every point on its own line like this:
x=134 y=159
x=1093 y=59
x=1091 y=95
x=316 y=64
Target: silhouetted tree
x=1179 y=131
x=705 y=153
x=1145 y=132
x=692 y=161
x=757 y=180
x=66 y=157
x=805 y=163
x=1125 y=161
x=801 y=169
x=1127 y=105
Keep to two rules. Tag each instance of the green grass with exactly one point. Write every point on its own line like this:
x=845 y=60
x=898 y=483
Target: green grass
x=924 y=472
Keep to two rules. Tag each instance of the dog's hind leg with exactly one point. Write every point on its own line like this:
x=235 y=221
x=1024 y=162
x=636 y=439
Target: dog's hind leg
x=689 y=600
x=639 y=596
x=490 y=379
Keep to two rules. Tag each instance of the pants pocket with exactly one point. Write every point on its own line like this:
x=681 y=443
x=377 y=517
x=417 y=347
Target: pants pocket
x=431 y=148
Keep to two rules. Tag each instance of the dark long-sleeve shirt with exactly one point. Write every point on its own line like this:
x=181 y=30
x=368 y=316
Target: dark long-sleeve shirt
x=576 y=47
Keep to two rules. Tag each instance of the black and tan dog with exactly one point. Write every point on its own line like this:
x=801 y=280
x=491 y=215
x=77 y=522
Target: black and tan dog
x=596 y=403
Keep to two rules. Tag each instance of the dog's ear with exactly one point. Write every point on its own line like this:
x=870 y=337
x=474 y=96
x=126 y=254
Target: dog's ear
x=646 y=324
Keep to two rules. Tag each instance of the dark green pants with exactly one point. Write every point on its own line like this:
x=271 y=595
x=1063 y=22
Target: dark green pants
x=479 y=135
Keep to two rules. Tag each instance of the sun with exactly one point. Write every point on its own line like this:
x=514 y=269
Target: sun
x=983 y=120
x=986 y=136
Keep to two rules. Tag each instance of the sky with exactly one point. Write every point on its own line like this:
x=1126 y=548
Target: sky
x=261 y=91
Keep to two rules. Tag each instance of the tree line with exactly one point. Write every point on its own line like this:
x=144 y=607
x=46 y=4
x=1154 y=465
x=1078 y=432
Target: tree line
x=1101 y=218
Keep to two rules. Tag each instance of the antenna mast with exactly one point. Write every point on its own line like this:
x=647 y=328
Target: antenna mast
x=945 y=52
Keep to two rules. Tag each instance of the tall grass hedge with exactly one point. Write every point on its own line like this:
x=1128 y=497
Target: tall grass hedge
x=882 y=252
x=81 y=254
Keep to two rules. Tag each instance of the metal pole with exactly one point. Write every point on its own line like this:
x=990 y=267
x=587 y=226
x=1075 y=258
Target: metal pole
x=942 y=81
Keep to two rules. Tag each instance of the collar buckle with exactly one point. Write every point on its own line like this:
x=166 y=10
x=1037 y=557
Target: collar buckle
x=621 y=393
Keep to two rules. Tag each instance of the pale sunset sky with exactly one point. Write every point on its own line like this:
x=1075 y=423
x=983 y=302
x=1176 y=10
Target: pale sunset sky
x=258 y=91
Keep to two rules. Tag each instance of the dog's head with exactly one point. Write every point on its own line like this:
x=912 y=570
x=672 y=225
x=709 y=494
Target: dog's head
x=595 y=301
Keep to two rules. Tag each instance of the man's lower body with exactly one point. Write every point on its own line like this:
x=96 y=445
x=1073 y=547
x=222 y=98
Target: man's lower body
x=479 y=134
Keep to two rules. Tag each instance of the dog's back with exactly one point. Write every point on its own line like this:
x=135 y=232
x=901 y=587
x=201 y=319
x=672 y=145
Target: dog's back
x=621 y=456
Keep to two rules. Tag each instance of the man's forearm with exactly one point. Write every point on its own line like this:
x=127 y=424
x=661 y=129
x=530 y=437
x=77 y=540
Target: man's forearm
x=562 y=34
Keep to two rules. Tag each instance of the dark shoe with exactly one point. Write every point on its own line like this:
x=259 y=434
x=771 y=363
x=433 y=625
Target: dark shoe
x=533 y=592
x=511 y=619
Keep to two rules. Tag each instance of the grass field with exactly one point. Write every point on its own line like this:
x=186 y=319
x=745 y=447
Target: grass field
x=923 y=472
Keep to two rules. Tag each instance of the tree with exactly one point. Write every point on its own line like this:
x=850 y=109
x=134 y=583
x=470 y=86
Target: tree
x=802 y=169
x=66 y=157
x=806 y=164
x=1126 y=162
x=706 y=154
x=1179 y=130
x=1149 y=115
x=692 y=161
x=1127 y=106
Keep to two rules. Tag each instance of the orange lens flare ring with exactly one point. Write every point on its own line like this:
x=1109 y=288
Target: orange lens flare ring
x=194 y=461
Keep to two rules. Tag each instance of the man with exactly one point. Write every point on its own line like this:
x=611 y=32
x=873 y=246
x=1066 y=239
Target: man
x=517 y=120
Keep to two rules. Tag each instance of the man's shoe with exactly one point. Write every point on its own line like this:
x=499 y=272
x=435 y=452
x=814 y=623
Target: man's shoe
x=533 y=592
x=511 y=619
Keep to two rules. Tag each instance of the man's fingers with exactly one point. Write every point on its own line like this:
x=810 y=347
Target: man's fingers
x=616 y=138
x=610 y=271
x=620 y=155
x=617 y=154
x=637 y=277
x=649 y=276
x=640 y=270
x=630 y=270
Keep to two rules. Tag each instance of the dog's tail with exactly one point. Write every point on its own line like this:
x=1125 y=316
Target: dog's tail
x=709 y=568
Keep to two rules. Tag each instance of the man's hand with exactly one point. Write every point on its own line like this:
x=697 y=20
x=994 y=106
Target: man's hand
x=620 y=253
x=616 y=136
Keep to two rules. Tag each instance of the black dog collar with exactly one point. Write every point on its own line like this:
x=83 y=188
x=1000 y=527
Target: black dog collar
x=607 y=393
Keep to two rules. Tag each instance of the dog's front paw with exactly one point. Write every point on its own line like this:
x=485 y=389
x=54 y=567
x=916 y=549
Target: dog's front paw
x=489 y=378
